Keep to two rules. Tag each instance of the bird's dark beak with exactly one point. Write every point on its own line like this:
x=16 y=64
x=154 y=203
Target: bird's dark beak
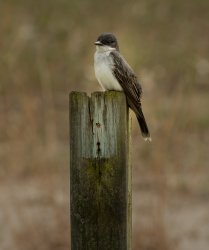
x=98 y=43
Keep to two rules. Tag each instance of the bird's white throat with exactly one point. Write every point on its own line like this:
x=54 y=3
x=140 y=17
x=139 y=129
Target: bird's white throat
x=104 y=48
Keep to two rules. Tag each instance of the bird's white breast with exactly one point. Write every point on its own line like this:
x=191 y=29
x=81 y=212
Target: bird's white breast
x=103 y=64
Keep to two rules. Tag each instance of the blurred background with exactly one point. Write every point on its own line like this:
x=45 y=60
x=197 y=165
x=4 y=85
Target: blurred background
x=46 y=51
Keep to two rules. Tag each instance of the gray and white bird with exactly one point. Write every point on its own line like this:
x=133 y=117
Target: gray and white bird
x=114 y=73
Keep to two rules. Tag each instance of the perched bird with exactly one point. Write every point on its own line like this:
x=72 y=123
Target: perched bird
x=113 y=73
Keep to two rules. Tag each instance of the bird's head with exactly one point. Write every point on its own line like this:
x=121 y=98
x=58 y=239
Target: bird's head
x=107 y=41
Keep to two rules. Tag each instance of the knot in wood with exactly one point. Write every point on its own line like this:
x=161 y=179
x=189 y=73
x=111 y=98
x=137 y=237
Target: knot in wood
x=98 y=124
x=98 y=147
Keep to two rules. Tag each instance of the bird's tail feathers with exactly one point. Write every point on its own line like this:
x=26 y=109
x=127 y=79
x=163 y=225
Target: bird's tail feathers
x=143 y=126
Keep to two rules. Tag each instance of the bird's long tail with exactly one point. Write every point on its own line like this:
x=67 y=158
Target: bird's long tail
x=143 y=126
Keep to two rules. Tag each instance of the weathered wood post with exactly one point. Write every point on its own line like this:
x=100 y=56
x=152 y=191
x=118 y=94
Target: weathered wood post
x=100 y=172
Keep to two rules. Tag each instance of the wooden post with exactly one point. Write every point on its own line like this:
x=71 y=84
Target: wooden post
x=100 y=172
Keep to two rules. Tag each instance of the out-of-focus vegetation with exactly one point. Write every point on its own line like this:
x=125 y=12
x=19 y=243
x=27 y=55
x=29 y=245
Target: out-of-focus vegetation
x=46 y=51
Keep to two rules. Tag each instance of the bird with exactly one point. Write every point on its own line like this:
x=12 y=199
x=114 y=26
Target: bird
x=114 y=73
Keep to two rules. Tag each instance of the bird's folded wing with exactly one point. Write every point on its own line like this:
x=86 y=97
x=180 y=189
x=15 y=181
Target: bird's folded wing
x=127 y=79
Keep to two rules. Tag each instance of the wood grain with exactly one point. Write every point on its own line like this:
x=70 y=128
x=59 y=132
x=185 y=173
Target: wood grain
x=100 y=172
